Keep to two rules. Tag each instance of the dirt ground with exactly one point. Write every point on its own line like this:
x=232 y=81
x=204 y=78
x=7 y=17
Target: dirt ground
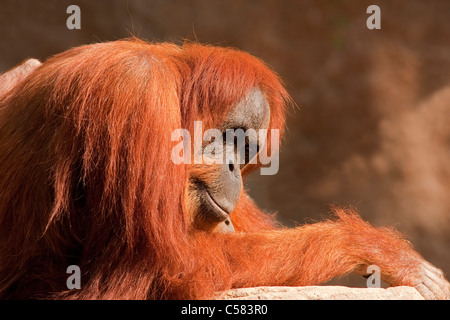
x=372 y=124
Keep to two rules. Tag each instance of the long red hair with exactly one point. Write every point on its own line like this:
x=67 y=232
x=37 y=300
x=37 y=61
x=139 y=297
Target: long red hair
x=86 y=176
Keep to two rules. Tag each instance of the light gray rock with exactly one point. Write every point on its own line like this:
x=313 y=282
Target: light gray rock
x=320 y=293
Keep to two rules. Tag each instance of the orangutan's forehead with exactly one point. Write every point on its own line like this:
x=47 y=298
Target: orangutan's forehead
x=253 y=111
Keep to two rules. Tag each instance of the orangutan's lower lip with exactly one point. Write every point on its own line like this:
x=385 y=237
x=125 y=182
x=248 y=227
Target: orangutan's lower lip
x=214 y=204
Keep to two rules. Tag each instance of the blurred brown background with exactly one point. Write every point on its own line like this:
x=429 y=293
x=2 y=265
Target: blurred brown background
x=372 y=128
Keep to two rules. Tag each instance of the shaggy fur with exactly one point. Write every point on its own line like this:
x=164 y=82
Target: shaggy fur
x=86 y=178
